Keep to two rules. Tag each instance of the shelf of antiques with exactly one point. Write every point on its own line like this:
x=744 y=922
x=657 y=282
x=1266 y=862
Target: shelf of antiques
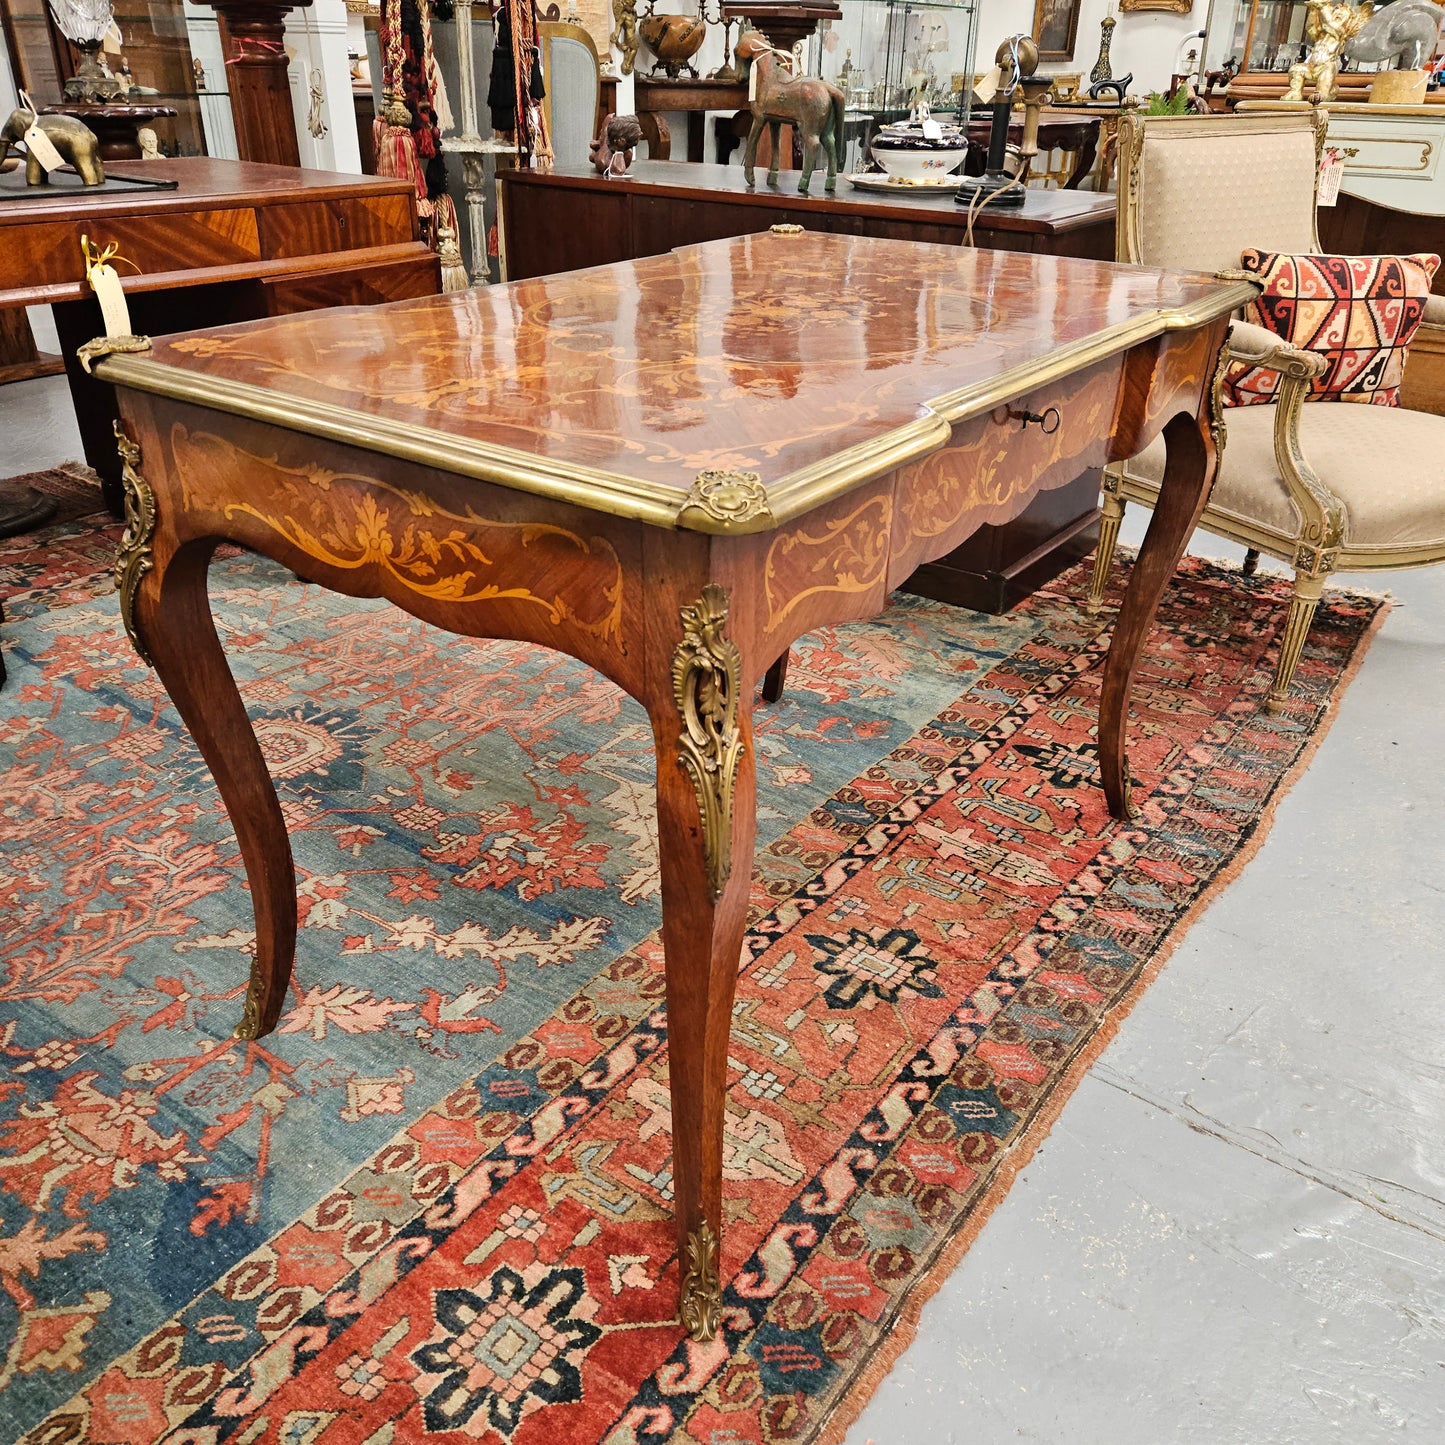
x=1258 y=46
x=134 y=66
x=571 y=218
x=885 y=55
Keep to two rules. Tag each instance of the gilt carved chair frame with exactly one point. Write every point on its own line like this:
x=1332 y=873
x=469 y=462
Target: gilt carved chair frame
x=1320 y=544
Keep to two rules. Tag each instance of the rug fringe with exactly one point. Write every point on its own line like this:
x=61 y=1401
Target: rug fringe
x=905 y=1326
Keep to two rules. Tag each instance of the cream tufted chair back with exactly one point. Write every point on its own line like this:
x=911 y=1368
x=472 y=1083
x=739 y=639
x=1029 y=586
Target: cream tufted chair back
x=1215 y=185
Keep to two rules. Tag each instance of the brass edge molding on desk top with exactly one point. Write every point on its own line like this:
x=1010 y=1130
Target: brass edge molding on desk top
x=801 y=491
x=623 y=496
x=596 y=490
x=968 y=401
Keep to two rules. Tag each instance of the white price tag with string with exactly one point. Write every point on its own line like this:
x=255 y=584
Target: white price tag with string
x=42 y=147
x=987 y=88
x=106 y=284
x=1332 y=172
x=932 y=130
x=36 y=142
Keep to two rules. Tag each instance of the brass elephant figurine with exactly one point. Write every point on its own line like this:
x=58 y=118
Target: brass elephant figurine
x=76 y=142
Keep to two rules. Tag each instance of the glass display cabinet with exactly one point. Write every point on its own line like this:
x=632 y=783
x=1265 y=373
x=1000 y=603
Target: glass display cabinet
x=1256 y=35
x=155 y=55
x=890 y=54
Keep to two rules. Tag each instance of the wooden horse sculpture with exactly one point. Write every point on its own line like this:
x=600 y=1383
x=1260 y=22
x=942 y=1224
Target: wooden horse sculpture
x=775 y=95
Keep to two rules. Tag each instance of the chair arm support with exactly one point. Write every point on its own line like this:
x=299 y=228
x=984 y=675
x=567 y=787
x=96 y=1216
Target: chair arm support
x=1322 y=512
x=1258 y=346
x=1434 y=310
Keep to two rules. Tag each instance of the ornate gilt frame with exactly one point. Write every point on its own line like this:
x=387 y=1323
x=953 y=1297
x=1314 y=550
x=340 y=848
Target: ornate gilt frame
x=1174 y=7
x=1070 y=45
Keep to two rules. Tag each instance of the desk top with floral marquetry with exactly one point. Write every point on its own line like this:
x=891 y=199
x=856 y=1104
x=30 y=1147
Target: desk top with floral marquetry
x=813 y=362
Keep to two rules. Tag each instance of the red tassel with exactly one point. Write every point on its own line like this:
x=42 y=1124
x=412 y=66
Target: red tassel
x=396 y=156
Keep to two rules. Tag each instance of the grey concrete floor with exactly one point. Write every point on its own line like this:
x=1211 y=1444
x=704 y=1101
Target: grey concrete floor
x=1236 y=1231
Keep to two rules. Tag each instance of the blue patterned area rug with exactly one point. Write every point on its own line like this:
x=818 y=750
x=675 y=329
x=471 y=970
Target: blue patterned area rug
x=437 y=1200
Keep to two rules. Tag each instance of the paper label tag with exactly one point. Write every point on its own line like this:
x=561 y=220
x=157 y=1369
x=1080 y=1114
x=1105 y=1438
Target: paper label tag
x=42 y=147
x=753 y=81
x=987 y=88
x=932 y=130
x=1332 y=172
x=106 y=285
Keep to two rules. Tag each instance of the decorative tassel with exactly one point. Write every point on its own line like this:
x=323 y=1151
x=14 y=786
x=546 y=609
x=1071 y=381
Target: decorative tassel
x=432 y=72
x=532 y=137
x=407 y=135
x=396 y=153
x=454 y=273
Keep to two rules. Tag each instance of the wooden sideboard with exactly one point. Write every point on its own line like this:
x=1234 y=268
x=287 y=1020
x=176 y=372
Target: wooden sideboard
x=572 y=218
x=233 y=241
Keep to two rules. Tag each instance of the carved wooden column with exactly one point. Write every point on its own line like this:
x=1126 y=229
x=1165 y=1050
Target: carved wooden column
x=255 y=48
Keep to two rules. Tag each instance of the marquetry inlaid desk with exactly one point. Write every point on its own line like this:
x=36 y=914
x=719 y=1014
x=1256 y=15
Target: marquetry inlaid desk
x=668 y=468
x=231 y=241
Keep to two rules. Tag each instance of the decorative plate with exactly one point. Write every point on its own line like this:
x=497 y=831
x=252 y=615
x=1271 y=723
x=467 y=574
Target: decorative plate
x=877 y=181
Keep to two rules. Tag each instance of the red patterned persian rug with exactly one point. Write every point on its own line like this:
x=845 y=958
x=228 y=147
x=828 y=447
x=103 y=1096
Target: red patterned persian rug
x=436 y=1203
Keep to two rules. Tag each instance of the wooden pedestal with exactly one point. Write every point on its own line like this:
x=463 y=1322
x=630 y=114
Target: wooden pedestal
x=256 y=66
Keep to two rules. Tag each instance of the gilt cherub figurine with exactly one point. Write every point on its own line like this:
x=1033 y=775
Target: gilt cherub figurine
x=1331 y=23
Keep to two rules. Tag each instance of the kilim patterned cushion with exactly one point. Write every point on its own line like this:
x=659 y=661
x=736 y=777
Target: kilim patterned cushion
x=1359 y=312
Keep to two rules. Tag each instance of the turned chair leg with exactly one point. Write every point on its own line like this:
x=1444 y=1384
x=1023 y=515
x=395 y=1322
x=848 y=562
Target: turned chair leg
x=1296 y=626
x=1112 y=508
x=776 y=678
x=1251 y=563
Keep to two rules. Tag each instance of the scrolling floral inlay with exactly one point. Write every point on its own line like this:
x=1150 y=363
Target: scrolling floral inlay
x=351 y=522
x=728 y=497
x=701 y=1290
x=847 y=555
x=707 y=682
x=133 y=557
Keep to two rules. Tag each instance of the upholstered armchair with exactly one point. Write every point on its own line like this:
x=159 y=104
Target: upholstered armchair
x=1323 y=486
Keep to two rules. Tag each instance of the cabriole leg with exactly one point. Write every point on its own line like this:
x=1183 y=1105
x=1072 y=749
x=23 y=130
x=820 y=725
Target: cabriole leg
x=776 y=678
x=706 y=815
x=1188 y=475
x=173 y=619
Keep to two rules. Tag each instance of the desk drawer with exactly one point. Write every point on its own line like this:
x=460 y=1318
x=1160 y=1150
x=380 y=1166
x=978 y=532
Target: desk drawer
x=994 y=465
x=173 y=242
x=351 y=223
x=401 y=279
